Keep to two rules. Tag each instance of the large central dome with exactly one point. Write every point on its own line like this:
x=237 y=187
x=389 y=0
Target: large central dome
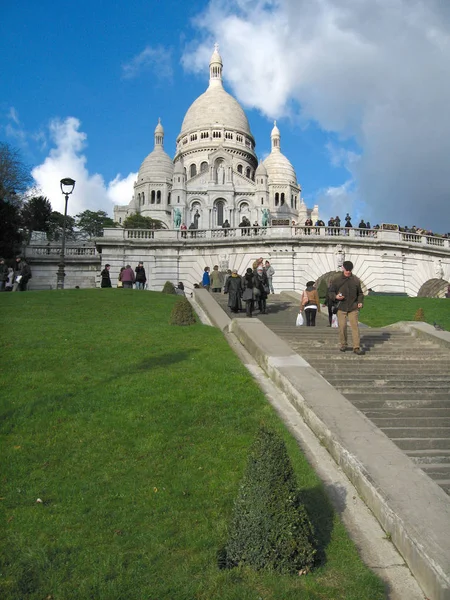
x=215 y=107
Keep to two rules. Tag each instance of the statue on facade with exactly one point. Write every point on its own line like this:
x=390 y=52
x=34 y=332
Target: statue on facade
x=220 y=174
x=439 y=269
x=196 y=218
x=265 y=217
x=176 y=217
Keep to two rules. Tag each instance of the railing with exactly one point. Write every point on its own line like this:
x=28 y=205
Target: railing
x=289 y=232
x=55 y=251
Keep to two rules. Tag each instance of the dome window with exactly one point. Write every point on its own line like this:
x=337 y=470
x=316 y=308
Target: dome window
x=185 y=141
x=277 y=199
x=239 y=138
x=204 y=135
x=203 y=167
x=228 y=135
x=153 y=196
x=193 y=137
x=158 y=197
x=217 y=134
x=193 y=170
x=282 y=198
x=240 y=169
x=247 y=172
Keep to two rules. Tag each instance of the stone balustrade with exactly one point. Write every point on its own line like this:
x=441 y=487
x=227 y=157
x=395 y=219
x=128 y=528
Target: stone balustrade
x=287 y=232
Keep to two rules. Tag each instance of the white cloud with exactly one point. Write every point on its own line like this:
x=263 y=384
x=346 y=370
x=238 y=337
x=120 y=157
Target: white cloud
x=376 y=72
x=157 y=59
x=66 y=159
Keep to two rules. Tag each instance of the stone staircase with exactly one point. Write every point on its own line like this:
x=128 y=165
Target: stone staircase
x=402 y=384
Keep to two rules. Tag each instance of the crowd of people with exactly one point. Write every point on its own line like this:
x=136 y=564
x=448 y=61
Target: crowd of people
x=344 y=297
x=250 y=289
x=128 y=278
x=14 y=278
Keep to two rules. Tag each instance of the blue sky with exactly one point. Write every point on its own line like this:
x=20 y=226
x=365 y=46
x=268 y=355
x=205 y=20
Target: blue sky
x=360 y=91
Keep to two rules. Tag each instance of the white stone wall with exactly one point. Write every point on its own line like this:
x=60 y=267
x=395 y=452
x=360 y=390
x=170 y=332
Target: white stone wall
x=382 y=265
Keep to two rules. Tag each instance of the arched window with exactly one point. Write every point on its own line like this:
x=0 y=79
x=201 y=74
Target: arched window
x=277 y=199
x=193 y=170
x=152 y=201
x=158 y=197
x=203 y=167
x=220 y=207
x=168 y=198
x=143 y=198
x=262 y=200
x=282 y=198
x=248 y=172
x=240 y=169
x=139 y=199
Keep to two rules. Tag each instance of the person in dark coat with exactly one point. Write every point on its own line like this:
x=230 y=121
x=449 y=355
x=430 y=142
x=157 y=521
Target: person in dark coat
x=140 y=276
x=330 y=304
x=233 y=288
x=248 y=283
x=262 y=284
x=106 y=279
x=22 y=275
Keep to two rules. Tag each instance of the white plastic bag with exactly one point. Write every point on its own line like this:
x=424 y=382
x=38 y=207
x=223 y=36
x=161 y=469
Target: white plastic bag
x=299 y=320
x=334 y=321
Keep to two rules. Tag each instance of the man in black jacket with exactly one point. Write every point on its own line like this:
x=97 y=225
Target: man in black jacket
x=346 y=290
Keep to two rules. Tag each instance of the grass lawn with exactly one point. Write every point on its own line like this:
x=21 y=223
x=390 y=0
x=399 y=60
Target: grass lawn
x=135 y=434
x=379 y=311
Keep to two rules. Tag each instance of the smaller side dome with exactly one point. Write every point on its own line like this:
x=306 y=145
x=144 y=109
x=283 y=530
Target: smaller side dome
x=261 y=169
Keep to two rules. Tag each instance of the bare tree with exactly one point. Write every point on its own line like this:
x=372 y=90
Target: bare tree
x=15 y=176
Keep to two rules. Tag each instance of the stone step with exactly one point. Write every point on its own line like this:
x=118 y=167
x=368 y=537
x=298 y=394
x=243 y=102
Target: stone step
x=398 y=401
x=444 y=484
x=418 y=412
x=419 y=443
x=422 y=457
x=437 y=470
x=413 y=422
x=417 y=432
x=391 y=367
x=426 y=389
x=418 y=380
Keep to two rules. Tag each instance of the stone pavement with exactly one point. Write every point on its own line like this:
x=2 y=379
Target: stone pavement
x=409 y=505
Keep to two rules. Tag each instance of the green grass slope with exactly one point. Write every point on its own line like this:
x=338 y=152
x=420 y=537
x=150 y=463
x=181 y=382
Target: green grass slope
x=134 y=435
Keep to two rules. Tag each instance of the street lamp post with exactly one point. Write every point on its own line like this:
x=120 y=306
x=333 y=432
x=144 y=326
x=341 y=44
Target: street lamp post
x=67 y=187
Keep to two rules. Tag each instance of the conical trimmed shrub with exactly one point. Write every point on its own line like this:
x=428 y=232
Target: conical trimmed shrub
x=420 y=315
x=270 y=527
x=182 y=313
x=168 y=288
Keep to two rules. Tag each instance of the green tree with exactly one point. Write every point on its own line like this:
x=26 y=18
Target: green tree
x=137 y=221
x=36 y=214
x=93 y=222
x=55 y=229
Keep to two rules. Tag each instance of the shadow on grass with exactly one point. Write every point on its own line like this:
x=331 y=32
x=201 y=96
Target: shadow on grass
x=163 y=360
x=321 y=513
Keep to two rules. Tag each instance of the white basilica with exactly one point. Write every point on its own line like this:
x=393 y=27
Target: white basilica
x=215 y=175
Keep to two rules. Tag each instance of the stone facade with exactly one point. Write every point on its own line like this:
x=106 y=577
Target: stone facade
x=215 y=174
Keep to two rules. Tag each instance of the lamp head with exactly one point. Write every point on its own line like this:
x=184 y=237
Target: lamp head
x=67 y=185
